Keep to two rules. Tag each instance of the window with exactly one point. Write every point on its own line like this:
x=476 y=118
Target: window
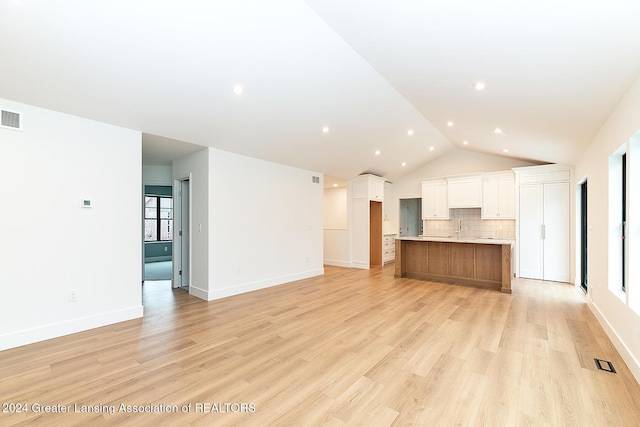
x=584 y=232
x=158 y=218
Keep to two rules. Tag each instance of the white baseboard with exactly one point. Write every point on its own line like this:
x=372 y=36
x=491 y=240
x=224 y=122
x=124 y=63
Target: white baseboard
x=260 y=284
x=627 y=356
x=337 y=263
x=55 y=330
x=360 y=265
x=198 y=292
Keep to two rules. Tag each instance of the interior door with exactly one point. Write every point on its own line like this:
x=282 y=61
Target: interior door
x=184 y=233
x=181 y=235
x=404 y=217
x=415 y=217
x=410 y=217
x=531 y=231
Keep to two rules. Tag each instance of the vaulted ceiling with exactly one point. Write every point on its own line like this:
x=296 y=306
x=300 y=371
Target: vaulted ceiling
x=369 y=72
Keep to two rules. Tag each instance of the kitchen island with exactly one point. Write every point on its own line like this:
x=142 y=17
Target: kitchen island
x=478 y=262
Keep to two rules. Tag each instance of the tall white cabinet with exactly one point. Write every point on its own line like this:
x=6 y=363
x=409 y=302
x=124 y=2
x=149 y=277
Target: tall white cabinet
x=543 y=223
x=367 y=195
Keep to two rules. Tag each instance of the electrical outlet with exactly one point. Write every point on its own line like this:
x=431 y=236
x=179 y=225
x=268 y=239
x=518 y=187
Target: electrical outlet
x=307 y=259
x=238 y=270
x=73 y=295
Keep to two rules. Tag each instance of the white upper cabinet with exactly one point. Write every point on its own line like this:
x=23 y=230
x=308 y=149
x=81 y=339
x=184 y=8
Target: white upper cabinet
x=369 y=187
x=360 y=188
x=498 y=196
x=387 y=205
x=465 y=191
x=435 y=203
x=376 y=189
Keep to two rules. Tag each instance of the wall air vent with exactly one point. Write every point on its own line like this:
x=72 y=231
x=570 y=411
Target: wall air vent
x=11 y=120
x=315 y=179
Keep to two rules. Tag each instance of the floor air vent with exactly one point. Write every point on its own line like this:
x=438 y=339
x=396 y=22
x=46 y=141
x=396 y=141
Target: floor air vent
x=11 y=120
x=605 y=365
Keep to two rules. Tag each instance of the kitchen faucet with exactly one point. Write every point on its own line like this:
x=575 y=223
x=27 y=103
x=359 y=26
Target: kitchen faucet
x=459 y=231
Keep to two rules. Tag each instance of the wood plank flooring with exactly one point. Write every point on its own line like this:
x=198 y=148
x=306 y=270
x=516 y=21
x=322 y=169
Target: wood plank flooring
x=353 y=347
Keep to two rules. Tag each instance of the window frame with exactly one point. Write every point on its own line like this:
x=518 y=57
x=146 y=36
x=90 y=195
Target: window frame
x=158 y=217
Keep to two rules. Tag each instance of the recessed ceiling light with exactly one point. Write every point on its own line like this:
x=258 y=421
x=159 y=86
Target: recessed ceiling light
x=377 y=152
x=505 y=150
x=497 y=130
x=238 y=89
x=449 y=123
x=410 y=132
x=325 y=129
x=432 y=148
x=479 y=86
x=335 y=185
x=404 y=164
x=465 y=142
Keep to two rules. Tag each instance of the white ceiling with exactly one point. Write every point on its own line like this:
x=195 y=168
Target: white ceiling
x=369 y=71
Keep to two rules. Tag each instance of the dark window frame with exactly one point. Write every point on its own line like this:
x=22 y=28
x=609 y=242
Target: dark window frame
x=584 y=232
x=158 y=217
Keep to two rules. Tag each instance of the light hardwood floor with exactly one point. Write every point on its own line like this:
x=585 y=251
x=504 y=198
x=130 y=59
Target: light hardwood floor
x=352 y=347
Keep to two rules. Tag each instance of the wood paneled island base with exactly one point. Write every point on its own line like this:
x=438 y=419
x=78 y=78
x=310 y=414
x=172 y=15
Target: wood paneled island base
x=473 y=262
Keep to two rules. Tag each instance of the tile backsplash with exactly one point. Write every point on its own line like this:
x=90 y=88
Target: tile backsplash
x=472 y=225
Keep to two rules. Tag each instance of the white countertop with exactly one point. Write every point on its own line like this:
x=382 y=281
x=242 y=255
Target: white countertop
x=484 y=241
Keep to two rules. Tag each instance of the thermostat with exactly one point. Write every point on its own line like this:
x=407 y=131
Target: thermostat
x=86 y=203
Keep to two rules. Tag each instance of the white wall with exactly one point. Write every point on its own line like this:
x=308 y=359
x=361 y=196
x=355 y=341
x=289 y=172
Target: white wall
x=612 y=309
x=196 y=168
x=265 y=224
x=456 y=162
x=50 y=244
x=336 y=232
x=156 y=175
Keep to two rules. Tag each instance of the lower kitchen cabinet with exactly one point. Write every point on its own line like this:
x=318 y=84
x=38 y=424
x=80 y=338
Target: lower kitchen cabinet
x=389 y=248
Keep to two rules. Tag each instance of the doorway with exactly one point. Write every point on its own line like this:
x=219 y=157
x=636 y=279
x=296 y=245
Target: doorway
x=410 y=217
x=584 y=232
x=375 y=234
x=182 y=234
x=158 y=233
